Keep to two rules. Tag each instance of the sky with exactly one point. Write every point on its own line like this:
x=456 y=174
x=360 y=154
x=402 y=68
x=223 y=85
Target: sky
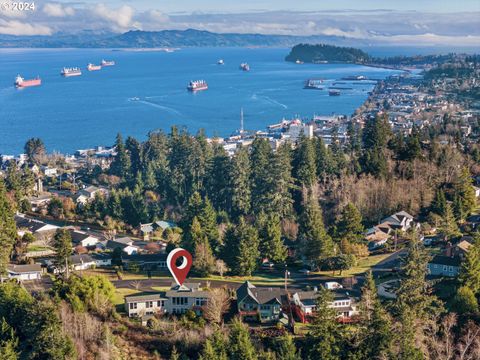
x=417 y=22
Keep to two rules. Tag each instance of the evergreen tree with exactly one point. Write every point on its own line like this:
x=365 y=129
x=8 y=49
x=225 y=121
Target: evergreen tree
x=439 y=203
x=240 y=346
x=215 y=347
x=8 y=230
x=218 y=188
x=203 y=262
x=194 y=208
x=8 y=341
x=376 y=134
x=465 y=301
x=375 y=332
x=281 y=201
x=241 y=248
x=285 y=348
x=466 y=191
x=349 y=226
x=458 y=208
x=240 y=183
x=324 y=159
x=194 y=236
x=318 y=244
x=326 y=336
x=208 y=219
x=63 y=250
x=121 y=163
x=448 y=226
x=470 y=270
x=13 y=178
x=305 y=163
x=261 y=176
x=114 y=205
x=35 y=150
x=133 y=149
x=271 y=244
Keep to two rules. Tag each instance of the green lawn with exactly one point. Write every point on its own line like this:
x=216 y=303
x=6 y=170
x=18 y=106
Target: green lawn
x=121 y=293
x=37 y=248
x=364 y=264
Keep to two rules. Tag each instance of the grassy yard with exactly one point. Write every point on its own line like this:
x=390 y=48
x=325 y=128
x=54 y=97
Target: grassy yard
x=121 y=293
x=363 y=265
x=37 y=248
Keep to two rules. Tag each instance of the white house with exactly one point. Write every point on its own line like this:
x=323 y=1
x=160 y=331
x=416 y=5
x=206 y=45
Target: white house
x=24 y=272
x=32 y=226
x=82 y=262
x=82 y=238
x=177 y=300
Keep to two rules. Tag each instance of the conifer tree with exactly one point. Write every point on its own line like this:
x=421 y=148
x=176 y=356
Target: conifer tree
x=376 y=332
x=194 y=208
x=281 y=200
x=458 y=208
x=215 y=347
x=241 y=248
x=218 y=181
x=121 y=163
x=35 y=149
x=285 y=348
x=194 y=236
x=262 y=180
x=326 y=336
x=470 y=270
x=305 y=163
x=318 y=244
x=349 y=226
x=448 y=226
x=466 y=191
x=324 y=159
x=439 y=203
x=203 y=262
x=208 y=219
x=63 y=250
x=8 y=341
x=240 y=183
x=465 y=301
x=271 y=244
x=8 y=231
x=240 y=346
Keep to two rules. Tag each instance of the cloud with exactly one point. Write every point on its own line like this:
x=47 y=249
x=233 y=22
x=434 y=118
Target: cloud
x=15 y=27
x=119 y=19
x=57 y=10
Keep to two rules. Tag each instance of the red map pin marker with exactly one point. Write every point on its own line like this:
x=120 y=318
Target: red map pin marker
x=180 y=272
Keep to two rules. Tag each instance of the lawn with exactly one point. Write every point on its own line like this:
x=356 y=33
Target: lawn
x=37 y=248
x=363 y=265
x=120 y=293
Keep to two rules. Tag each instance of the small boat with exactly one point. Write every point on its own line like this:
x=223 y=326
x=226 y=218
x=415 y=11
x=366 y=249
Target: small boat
x=134 y=99
x=299 y=61
x=107 y=63
x=220 y=62
x=244 y=67
x=92 y=67
x=20 y=82
x=313 y=84
x=334 y=92
x=74 y=71
x=197 y=85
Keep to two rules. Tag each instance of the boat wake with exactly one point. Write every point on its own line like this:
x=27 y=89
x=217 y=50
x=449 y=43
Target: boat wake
x=268 y=100
x=158 y=106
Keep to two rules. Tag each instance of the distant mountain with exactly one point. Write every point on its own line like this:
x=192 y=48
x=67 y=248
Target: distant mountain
x=165 y=38
x=326 y=53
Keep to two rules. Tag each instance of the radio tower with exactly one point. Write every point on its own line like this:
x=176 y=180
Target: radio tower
x=241 y=120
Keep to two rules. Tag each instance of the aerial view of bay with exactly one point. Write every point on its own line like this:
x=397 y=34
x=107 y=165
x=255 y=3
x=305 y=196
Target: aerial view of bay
x=146 y=90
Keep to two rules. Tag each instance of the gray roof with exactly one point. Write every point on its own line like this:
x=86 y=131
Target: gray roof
x=78 y=236
x=261 y=295
x=145 y=297
x=20 y=269
x=445 y=260
x=81 y=259
x=187 y=290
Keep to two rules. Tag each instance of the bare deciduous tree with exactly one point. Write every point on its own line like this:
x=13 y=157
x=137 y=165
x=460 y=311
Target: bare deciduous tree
x=217 y=305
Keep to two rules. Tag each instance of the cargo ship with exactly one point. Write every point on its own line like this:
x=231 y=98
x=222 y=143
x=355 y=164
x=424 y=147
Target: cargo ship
x=20 y=82
x=197 y=85
x=67 y=72
x=92 y=67
x=108 y=63
x=244 y=67
x=334 y=92
x=313 y=84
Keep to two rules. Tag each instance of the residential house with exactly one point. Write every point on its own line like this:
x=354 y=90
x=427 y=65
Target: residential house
x=344 y=304
x=260 y=304
x=24 y=272
x=88 y=194
x=125 y=244
x=146 y=261
x=36 y=227
x=146 y=230
x=39 y=202
x=442 y=265
x=82 y=262
x=81 y=238
x=101 y=259
x=388 y=227
x=49 y=171
x=177 y=300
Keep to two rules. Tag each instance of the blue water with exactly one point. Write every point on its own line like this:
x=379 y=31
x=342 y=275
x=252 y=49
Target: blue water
x=81 y=112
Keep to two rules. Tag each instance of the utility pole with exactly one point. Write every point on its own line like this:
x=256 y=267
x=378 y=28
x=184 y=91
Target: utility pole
x=241 y=120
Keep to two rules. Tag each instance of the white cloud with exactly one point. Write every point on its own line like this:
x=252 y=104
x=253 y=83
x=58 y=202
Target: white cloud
x=15 y=27
x=119 y=19
x=355 y=34
x=57 y=10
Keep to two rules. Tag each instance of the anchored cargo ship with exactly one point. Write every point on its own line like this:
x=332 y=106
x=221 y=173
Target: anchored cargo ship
x=244 y=67
x=20 y=82
x=197 y=85
x=92 y=67
x=313 y=84
x=108 y=63
x=67 y=72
